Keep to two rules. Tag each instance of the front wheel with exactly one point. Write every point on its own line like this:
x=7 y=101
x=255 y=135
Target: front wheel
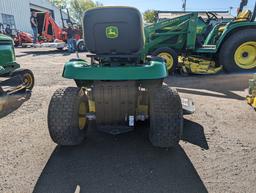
x=238 y=52
x=27 y=77
x=170 y=56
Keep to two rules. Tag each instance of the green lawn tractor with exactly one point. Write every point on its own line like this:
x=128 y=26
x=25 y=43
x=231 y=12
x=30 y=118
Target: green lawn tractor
x=205 y=46
x=118 y=88
x=251 y=98
x=13 y=80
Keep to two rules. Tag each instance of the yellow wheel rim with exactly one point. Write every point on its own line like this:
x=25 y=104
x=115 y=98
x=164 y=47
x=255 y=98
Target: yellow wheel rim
x=245 y=55
x=82 y=115
x=169 y=59
x=28 y=80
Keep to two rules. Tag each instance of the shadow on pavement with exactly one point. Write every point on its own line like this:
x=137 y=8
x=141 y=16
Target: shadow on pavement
x=13 y=103
x=36 y=52
x=220 y=85
x=194 y=134
x=120 y=164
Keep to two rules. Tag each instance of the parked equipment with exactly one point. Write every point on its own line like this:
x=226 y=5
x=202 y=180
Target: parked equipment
x=23 y=39
x=195 y=45
x=13 y=79
x=118 y=88
x=251 y=98
x=52 y=35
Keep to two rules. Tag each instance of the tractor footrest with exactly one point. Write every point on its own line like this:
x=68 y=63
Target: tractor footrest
x=114 y=129
x=188 y=106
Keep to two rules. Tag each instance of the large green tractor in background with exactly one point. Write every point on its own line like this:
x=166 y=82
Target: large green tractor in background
x=195 y=45
x=119 y=88
x=13 y=80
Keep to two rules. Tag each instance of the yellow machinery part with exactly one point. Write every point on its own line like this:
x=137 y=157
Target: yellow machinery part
x=199 y=65
x=245 y=55
x=169 y=59
x=244 y=16
x=92 y=108
x=82 y=115
x=251 y=99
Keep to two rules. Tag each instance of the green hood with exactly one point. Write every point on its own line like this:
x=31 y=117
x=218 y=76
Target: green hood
x=7 y=55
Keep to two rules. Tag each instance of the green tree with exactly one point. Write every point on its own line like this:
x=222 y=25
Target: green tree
x=78 y=7
x=60 y=3
x=150 y=16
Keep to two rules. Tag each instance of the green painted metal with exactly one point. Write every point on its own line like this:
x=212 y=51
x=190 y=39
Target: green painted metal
x=181 y=33
x=7 y=55
x=232 y=27
x=177 y=33
x=80 y=70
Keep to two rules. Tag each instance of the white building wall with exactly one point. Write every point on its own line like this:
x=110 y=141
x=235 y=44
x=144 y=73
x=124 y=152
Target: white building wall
x=20 y=9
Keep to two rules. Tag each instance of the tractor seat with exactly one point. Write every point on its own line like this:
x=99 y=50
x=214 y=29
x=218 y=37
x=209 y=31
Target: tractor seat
x=244 y=16
x=113 y=31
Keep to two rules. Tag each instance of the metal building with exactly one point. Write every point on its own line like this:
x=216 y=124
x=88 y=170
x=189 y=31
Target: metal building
x=17 y=12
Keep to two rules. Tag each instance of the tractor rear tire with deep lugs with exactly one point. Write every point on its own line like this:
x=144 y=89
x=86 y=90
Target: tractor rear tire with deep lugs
x=67 y=123
x=166 y=117
x=232 y=52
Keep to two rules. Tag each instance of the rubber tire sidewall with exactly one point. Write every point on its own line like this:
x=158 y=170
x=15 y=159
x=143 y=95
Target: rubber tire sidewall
x=63 y=116
x=172 y=52
x=21 y=72
x=227 y=51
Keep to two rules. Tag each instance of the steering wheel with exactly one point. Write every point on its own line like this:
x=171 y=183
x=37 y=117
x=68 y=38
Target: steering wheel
x=211 y=17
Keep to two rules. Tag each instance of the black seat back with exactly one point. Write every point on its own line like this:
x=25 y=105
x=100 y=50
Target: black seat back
x=113 y=31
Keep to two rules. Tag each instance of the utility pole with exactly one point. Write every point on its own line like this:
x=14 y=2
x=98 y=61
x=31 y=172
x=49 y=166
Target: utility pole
x=184 y=5
x=230 y=9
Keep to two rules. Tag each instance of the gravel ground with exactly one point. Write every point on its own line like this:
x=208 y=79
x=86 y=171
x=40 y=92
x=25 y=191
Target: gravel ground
x=217 y=153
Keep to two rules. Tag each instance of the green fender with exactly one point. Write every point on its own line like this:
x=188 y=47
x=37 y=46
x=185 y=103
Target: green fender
x=81 y=70
x=232 y=27
x=7 y=55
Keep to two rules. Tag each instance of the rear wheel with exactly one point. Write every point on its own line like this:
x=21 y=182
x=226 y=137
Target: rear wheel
x=238 y=52
x=67 y=120
x=166 y=117
x=27 y=77
x=170 y=56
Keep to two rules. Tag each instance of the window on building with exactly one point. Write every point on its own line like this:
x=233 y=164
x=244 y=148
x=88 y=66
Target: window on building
x=8 y=19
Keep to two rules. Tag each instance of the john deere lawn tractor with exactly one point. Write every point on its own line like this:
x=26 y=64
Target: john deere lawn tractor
x=119 y=88
x=205 y=46
x=13 y=79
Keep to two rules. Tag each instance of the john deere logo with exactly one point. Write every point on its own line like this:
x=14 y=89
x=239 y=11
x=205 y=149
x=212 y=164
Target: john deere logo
x=112 y=32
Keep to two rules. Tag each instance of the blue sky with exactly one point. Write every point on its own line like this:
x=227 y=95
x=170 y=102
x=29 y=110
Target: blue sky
x=175 y=5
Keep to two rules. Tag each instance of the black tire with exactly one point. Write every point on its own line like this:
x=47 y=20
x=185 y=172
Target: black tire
x=166 y=117
x=81 y=46
x=27 y=77
x=229 y=47
x=63 y=116
x=172 y=53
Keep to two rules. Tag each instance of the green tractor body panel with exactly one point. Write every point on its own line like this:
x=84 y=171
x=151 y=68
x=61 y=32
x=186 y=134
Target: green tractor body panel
x=212 y=44
x=177 y=33
x=80 y=70
x=7 y=55
x=232 y=27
